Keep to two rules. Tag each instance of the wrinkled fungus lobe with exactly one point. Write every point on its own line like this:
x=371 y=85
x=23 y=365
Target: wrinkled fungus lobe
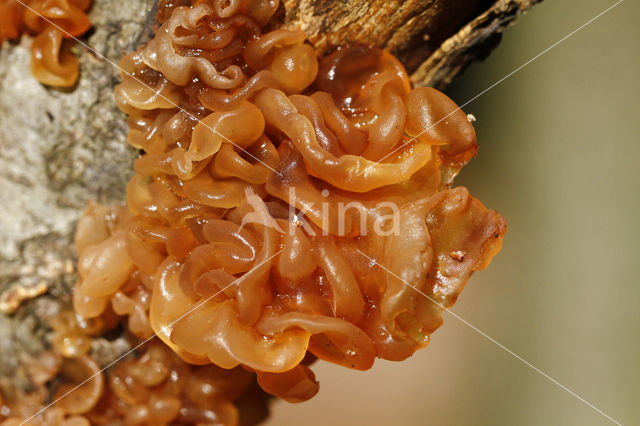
x=155 y=387
x=286 y=206
x=53 y=23
x=233 y=121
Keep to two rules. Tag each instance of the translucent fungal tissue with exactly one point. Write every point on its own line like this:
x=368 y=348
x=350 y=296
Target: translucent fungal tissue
x=154 y=387
x=53 y=23
x=287 y=205
x=235 y=246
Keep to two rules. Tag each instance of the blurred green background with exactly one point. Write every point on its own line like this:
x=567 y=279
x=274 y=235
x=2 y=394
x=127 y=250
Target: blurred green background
x=560 y=160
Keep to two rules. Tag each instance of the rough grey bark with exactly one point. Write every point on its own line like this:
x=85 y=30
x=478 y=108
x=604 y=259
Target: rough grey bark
x=58 y=150
x=62 y=149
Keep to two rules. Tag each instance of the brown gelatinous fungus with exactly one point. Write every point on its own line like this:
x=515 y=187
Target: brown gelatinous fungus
x=285 y=207
x=80 y=386
x=53 y=23
x=155 y=387
x=232 y=122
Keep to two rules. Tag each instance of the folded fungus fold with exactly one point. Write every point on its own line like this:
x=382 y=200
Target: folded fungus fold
x=53 y=23
x=287 y=205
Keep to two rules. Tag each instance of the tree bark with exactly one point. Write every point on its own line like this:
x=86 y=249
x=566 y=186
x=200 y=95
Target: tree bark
x=434 y=39
x=62 y=149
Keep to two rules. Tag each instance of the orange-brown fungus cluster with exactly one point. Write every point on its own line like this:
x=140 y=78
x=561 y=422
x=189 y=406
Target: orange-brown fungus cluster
x=52 y=22
x=153 y=388
x=286 y=206
x=235 y=246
